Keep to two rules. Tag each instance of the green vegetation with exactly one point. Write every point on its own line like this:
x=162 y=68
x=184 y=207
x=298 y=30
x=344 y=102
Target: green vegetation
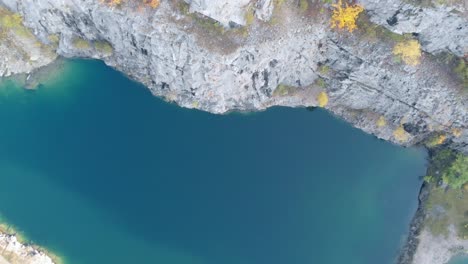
x=249 y=16
x=376 y=32
x=81 y=44
x=282 y=90
x=449 y=205
x=278 y=3
x=208 y=23
x=303 y=5
x=461 y=71
x=54 y=38
x=320 y=82
x=183 y=7
x=440 y=161
x=13 y=22
x=435 y=140
x=276 y=17
x=433 y=3
x=103 y=47
x=456 y=175
x=457 y=67
x=324 y=69
x=450 y=167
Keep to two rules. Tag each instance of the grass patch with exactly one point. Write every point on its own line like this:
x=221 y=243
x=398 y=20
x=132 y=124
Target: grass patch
x=103 y=47
x=449 y=167
x=455 y=66
x=447 y=207
x=440 y=161
x=208 y=23
x=303 y=5
x=376 y=32
x=461 y=71
x=54 y=38
x=10 y=20
x=324 y=69
x=320 y=82
x=13 y=22
x=249 y=16
x=81 y=44
x=435 y=140
x=282 y=90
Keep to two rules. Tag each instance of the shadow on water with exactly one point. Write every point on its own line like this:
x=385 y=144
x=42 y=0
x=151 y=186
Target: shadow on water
x=283 y=186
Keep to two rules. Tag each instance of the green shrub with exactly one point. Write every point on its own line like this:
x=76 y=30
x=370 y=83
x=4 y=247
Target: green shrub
x=303 y=5
x=321 y=82
x=324 y=69
x=456 y=175
x=104 y=47
x=11 y=21
x=54 y=38
x=282 y=90
x=461 y=70
x=436 y=140
x=249 y=16
x=81 y=44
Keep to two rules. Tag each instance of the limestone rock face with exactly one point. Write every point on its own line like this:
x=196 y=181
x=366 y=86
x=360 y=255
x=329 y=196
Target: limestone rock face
x=221 y=10
x=440 y=28
x=20 y=50
x=286 y=57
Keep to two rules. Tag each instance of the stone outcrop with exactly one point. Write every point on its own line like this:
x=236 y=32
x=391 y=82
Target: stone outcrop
x=197 y=62
x=192 y=60
x=14 y=252
x=19 y=49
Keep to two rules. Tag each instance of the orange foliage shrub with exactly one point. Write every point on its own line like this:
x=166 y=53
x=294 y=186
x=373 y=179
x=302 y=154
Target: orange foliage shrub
x=152 y=3
x=113 y=2
x=345 y=15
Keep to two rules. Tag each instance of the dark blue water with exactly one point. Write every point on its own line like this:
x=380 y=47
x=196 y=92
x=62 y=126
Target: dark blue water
x=97 y=170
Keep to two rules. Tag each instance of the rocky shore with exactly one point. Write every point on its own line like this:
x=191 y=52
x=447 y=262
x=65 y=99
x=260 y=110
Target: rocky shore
x=14 y=252
x=416 y=227
x=251 y=55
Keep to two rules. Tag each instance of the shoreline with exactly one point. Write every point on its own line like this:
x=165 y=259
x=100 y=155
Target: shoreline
x=421 y=245
x=15 y=249
x=409 y=249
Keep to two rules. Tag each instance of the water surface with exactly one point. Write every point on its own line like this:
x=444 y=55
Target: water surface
x=463 y=259
x=96 y=169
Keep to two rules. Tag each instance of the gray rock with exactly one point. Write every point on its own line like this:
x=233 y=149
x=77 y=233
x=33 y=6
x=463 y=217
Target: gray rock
x=220 y=70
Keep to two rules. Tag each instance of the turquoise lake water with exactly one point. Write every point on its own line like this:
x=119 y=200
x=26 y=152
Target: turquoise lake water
x=97 y=170
x=459 y=260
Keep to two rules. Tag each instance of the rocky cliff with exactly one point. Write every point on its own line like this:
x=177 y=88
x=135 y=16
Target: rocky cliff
x=222 y=56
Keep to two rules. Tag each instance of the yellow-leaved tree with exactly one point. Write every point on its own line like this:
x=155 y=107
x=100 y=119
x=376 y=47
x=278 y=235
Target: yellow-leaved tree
x=322 y=99
x=409 y=51
x=345 y=15
x=152 y=3
x=400 y=134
